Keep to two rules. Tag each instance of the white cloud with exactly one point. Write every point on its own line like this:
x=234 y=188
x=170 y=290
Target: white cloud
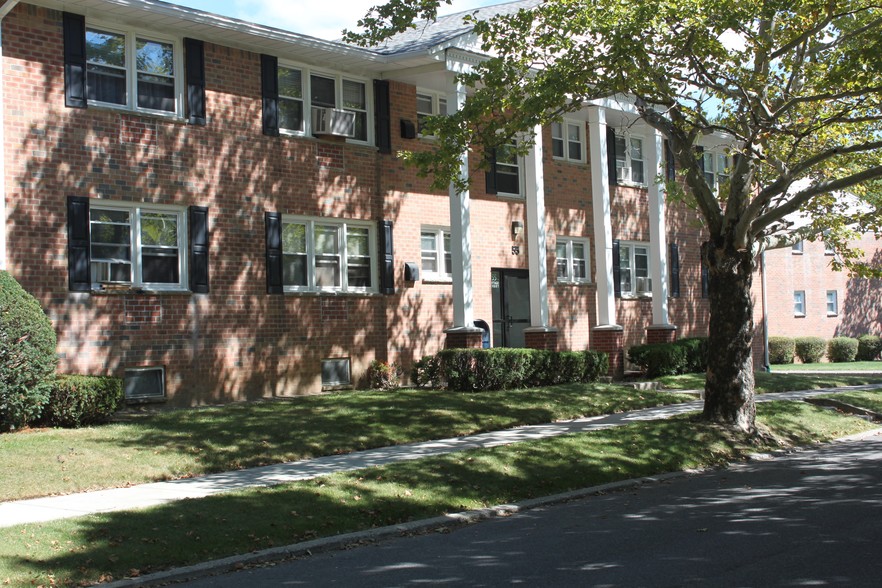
x=325 y=20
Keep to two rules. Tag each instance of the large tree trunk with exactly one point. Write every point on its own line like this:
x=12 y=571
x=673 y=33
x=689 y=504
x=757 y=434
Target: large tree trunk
x=729 y=390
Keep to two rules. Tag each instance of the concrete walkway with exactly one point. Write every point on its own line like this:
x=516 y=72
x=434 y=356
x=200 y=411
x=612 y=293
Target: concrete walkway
x=39 y=510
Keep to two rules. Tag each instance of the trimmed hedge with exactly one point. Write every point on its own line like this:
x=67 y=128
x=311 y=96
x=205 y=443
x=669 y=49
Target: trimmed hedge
x=842 y=349
x=27 y=355
x=77 y=401
x=505 y=368
x=688 y=355
x=869 y=348
x=810 y=349
x=781 y=350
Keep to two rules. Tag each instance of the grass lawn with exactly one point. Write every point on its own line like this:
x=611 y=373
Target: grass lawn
x=184 y=443
x=850 y=366
x=870 y=400
x=777 y=381
x=131 y=543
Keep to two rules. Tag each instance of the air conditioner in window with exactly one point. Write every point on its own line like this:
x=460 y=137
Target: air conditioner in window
x=332 y=121
x=644 y=285
x=623 y=174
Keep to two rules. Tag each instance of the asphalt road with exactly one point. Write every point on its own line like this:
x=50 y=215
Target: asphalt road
x=809 y=519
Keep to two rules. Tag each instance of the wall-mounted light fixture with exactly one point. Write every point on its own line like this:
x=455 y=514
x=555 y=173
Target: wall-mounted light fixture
x=517 y=229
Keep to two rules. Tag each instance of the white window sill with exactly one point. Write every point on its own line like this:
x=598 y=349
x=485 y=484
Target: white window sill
x=332 y=293
x=832 y=314
x=570 y=161
x=507 y=196
x=798 y=315
x=164 y=116
x=575 y=283
x=126 y=290
x=629 y=296
x=437 y=279
x=632 y=185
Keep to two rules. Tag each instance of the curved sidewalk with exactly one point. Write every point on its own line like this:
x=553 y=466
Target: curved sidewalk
x=50 y=508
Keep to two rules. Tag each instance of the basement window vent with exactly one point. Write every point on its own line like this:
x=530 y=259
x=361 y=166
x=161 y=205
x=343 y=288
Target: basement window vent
x=145 y=384
x=336 y=372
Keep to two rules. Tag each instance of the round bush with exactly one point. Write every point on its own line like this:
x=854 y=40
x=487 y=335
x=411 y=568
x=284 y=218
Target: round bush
x=810 y=349
x=77 y=401
x=27 y=355
x=842 y=349
x=869 y=347
x=781 y=350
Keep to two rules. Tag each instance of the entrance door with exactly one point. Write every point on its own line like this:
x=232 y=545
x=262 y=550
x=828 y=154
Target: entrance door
x=511 y=306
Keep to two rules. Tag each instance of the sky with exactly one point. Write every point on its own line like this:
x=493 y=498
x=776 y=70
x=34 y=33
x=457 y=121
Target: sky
x=323 y=19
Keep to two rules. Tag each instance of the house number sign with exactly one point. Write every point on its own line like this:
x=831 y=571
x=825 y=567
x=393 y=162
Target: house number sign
x=515 y=249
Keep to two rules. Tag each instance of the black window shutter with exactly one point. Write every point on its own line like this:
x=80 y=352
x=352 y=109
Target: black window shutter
x=387 y=260
x=611 y=156
x=670 y=166
x=194 y=54
x=79 y=271
x=490 y=175
x=675 y=270
x=74 y=60
x=699 y=153
x=273 y=253
x=617 y=268
x=199 y=246
x=704 y=280
x=269 y=84
x=383 y=116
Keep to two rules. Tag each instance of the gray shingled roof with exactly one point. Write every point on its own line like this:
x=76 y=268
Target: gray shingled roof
x=427 y=34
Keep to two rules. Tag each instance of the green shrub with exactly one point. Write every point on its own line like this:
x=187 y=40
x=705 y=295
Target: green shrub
x=383 y=376
x=869 y=348
x=426 y=372
x=810 y=349
x=781 y=350
x=842 y=349
x=77 y=401
x=696 y=353
x=27 y=355
x=503 y=368
x=659 y=359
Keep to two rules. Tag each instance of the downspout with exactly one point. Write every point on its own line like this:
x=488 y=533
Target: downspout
x=766 y=365
x=4 y=10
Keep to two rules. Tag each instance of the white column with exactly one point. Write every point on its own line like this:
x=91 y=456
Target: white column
x=658 y=249
x=606 y=294
x=536 y=237
x=460 y=233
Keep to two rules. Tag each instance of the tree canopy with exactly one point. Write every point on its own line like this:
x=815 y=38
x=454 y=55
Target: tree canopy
x=795 y=86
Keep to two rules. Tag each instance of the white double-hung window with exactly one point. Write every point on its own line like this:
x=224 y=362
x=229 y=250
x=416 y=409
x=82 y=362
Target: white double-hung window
x=435 y=253
x=634 y=277
x=328 y=254
x=568 y=141
x=630 y=162
x=131 y=70
x=139 y=245
x=716 y=166
x=429 y=104
x=508 y=170
x=573 y=263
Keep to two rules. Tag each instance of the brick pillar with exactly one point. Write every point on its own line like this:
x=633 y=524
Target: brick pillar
x=464 y=338
x=541 y=338
x=609 y=339
x=661 y=334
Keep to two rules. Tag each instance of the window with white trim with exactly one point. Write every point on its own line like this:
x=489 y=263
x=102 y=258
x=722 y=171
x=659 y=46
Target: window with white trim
x=568 y=141
x=573 y=262
x=508 y=170
x=630 y=163
x=799 y=302
x=320 y=254
x=139 y=245
x=634 y=277
x=131 y=70
x=301 y=90
x=832 y=302
x=716 y=166
x=435 y=253
x=429 y=104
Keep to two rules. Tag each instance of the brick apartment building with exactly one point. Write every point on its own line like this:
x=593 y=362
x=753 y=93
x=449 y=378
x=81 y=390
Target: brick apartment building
x=215 y=210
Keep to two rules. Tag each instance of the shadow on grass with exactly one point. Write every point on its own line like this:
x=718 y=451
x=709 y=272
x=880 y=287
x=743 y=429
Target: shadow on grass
x=128 y=543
